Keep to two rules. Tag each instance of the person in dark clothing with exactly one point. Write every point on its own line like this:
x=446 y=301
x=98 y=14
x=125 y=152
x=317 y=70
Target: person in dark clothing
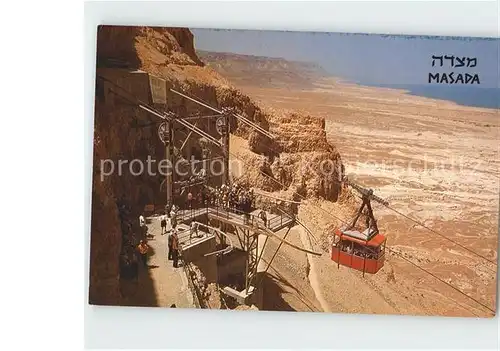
x=134 y=268
x=170 y=239
x=163 y=223
x=263 y=216
x=175 y=249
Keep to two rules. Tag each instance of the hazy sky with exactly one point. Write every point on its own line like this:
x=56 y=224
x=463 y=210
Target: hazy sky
x=366 y=59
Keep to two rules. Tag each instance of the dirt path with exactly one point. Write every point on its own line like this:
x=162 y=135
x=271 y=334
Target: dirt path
x=161 y=284
x=170 y=283
x=313 y=275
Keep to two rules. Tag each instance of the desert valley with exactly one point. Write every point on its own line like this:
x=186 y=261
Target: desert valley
x=433 y=160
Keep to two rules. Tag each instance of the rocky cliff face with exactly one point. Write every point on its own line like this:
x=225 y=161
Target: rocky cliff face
x=139 y=46
x=118 y=200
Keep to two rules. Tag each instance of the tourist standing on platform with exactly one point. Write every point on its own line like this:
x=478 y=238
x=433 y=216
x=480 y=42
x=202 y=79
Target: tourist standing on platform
x=175 y=249
x=263 y=216
x=169 y=242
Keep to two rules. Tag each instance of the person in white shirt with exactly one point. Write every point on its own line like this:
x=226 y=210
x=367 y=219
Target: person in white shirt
x=142 y=221
x=168 y=224
x=173 y=216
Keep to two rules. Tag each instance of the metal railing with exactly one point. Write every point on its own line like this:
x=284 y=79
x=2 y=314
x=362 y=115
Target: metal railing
x=229 y=213
x=225 y=212
x=275 y=221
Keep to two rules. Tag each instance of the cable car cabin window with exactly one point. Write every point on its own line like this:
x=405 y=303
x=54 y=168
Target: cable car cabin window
x=336 y=241
x=359 y=250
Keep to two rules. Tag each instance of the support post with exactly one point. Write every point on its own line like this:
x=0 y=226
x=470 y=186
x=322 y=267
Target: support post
x=252 y=244
x=364 y=262
x=170 y=162
x=225 y=148
x=340 y=250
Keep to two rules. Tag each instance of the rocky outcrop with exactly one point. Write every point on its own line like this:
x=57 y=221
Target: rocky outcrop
x=118 y=197
x=140 y=46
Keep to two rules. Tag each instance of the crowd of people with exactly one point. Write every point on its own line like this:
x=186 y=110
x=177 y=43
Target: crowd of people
x=168 y=223
x=234 y=197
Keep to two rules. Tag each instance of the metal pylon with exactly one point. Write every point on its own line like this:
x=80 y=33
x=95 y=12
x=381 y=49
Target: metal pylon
x=251 y=247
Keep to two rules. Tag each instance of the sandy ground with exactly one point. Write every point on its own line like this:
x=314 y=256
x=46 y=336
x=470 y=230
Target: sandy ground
x=434 y=161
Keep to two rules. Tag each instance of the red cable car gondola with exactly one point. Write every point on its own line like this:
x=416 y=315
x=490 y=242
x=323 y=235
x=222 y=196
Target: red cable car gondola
x=363 y=251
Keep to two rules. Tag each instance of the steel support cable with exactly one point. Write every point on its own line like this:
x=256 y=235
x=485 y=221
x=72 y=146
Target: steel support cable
x=441 y=280
x=242 y=118
x=441 y=235
x=238 y=116
x=225 y=250
x=200 y=116
x=263 y=173
x=445 y=237
x=197 y=130
x=268 y=232
x=158 y=114
x=295 y=219
x=181 y=122
x=436 y=277
x=276 y=198
x=252 y=124
x=414 y=264
x=183 y=160
x=383 y=202
x=284 y=186
x=152 y=110
x=136 y=101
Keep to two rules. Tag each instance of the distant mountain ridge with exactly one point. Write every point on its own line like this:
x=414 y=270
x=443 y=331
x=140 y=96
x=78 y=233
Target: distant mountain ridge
x=271 y=71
